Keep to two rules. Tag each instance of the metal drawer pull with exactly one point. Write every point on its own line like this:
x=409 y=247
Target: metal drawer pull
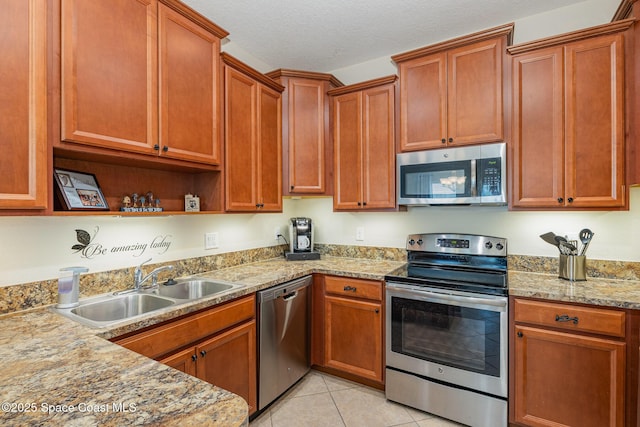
x=350 y=288
x=566 y=318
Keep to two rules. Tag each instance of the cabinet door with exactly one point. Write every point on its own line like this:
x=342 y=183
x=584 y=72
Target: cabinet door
x=23 y=105
x=353 y=337
x=189 y=85
x=378 y=162
x=240 y=141
x=109 y=74
x=306 y=144
x=423 y=102
x=269 y=149
x=474 y=93
x=347 y=151
x=538 y=138
x=184 y=361
x=228 y=360
x=594 y=81
x=567 y=379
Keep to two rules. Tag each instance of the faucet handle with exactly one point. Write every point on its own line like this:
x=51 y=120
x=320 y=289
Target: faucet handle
x=140 y=266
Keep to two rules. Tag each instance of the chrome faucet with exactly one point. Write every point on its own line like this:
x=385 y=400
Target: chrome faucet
x=139 y=279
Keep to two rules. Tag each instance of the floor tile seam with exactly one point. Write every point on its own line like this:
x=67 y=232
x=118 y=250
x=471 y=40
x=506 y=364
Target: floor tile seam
x=335 y=404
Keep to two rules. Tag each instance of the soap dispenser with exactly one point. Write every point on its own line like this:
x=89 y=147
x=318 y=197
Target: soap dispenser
x=69 y=286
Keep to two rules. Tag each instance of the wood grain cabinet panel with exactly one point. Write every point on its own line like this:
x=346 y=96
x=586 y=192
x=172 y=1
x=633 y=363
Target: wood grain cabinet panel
x=188 y=98
x=23 y=105
x=307 y=149
x=452 y=93
x=564 y=371
x=217 y=345
x=364 y=145
x=109 y=74
x=140 y=76
x=253 y=115
x=348 y=328
x=568 y=121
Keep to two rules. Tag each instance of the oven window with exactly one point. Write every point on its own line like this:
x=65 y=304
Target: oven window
x=461 y=337
x=436 y=180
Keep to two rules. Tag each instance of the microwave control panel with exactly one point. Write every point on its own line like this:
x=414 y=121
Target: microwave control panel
x=489 y=176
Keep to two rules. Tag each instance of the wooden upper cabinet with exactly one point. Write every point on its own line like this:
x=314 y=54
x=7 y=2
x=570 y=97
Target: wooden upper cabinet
x=364 y=145
x=253 y=139
x=538 y=134
x=109 y=74
x=568 y=121
x=452 y=93
x=306 y=133
x=189 y=76
x=140 y=76
x=23 y=105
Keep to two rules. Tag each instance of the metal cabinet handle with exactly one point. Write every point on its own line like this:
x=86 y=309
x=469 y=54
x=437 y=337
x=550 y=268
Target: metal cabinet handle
x=377 y=310
x=570 y=200
x=203 y=353
x=566 y=318
x=194 y=357
x=350 y=288
x=450 y=139
x=156 y=147
x=444 y=141
x=165 y=148
x=520 y=334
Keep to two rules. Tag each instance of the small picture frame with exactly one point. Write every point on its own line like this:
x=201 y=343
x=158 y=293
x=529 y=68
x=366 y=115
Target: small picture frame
x=191 y=203
x=79 y=191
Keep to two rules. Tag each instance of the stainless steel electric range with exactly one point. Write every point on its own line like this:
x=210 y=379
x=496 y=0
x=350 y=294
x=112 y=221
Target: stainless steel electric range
x=446 y=328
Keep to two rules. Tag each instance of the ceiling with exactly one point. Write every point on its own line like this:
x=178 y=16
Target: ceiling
x=331 y=34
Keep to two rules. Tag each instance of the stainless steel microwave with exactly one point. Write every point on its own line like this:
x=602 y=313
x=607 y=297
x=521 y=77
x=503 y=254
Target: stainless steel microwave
x=470 y=175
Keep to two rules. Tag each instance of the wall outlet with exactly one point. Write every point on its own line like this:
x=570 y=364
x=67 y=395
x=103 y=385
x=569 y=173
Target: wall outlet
x=276 y=233
x=359 y=234
x=211 y=240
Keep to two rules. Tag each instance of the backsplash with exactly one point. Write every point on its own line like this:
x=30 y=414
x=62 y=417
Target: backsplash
x=37 y=294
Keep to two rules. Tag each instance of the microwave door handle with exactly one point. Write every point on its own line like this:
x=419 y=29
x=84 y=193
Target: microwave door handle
x=474 y=192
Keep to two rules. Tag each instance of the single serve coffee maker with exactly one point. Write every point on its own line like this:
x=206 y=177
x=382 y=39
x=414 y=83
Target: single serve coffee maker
x=301 y=240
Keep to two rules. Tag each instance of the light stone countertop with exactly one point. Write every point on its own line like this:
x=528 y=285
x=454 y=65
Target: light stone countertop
x=49 y=361
x=596 y=291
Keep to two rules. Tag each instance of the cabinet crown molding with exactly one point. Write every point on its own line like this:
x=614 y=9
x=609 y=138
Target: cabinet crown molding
x=624 y=10
x=234 y=62
x=502 y=30
x=599 y=30
x=196 y=17
x=275 y=74
x=363 y=85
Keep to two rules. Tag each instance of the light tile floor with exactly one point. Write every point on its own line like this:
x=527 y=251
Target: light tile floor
x=320 y=400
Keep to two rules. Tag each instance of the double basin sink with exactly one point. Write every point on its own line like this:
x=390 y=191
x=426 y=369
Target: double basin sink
x=106 y=310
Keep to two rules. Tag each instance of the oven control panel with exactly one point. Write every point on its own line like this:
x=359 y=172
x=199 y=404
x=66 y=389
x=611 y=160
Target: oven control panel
x=471 y=244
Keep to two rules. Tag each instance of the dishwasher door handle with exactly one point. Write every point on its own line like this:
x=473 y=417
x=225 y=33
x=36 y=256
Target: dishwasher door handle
x=290 y=296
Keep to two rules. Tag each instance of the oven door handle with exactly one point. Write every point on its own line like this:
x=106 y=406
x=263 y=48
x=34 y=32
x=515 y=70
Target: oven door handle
x=449 y=297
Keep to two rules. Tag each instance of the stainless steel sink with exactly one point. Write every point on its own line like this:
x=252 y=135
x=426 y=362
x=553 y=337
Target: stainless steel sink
x=119 y=307
x=194 y=288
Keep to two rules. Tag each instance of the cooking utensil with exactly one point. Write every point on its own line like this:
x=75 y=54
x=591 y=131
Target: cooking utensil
x=585 y=237
x=549 y=238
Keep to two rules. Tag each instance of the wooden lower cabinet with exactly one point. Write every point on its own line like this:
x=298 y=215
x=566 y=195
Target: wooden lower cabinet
x=562 y=376
x=217 y=345
x=352 y=329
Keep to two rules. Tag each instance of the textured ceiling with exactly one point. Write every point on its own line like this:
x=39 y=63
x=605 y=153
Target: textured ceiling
x=327 y=35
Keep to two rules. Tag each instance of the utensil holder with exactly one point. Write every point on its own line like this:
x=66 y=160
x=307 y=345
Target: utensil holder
x=572 y=267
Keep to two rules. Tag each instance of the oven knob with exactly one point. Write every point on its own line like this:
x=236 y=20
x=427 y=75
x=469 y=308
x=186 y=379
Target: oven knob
x=488 y=245
x=412 y=242
x=420 y=242
x=499 y=246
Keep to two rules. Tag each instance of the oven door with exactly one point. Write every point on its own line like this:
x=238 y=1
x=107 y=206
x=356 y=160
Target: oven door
x=452 y=337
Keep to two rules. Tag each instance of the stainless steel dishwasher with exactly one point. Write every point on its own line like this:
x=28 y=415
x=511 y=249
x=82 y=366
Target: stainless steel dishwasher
x=283 y=337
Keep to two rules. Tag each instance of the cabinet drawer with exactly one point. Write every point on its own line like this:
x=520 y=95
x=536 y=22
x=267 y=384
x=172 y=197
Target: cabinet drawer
x=369 y=289
x=570 y=317
x=171 y=336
